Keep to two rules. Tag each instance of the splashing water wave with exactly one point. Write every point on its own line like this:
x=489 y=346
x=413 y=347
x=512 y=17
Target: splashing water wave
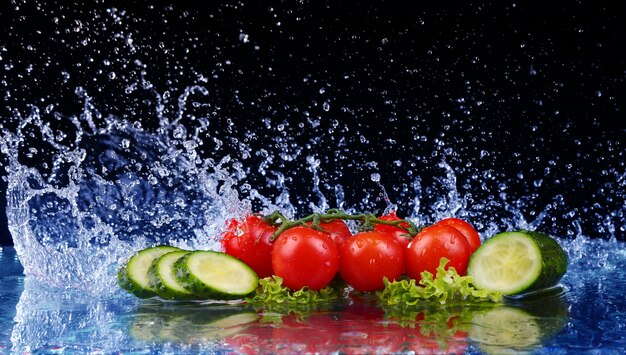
x=107 y=187
x=115 y=188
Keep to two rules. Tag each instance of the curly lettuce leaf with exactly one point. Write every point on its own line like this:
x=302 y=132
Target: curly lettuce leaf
x=272 y=294
x=446 y=286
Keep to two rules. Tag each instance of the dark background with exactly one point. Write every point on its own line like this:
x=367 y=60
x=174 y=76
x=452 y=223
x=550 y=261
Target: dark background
x=511 y=87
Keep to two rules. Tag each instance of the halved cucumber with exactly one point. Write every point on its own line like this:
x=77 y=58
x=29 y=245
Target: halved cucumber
x=517 y=262
x=133 y=277
x=215 y=275
x=163 y=280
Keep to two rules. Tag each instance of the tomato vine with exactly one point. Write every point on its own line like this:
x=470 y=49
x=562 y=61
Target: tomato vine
x=368 y=220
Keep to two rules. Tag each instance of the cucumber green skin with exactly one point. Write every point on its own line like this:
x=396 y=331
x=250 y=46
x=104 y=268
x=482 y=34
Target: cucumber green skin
x=197 y=287
x=127 y=283
x=553 y=259
x=161 y=289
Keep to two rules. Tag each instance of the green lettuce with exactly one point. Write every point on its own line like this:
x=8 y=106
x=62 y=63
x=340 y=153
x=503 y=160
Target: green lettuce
x=446 y=286
x=272 y=295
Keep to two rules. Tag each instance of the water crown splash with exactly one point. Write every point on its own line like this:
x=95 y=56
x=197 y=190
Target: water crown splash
x=113 y=189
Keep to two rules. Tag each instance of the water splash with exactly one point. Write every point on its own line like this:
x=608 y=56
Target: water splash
x=112 y=189
x=169 y=164
x=108 y=187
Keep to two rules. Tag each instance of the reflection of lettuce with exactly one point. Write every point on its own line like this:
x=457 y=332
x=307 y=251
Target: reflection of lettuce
x=271 y=294
x=435 y=319
x=446 y=286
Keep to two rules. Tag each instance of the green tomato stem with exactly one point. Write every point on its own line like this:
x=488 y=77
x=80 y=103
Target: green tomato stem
x=368 y=221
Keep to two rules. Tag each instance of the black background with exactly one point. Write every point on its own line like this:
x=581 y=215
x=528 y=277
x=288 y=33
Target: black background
x=535 y=87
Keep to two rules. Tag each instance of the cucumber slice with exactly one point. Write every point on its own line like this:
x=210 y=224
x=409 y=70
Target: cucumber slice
x=215 y=275
x=134 y=276
x=163 y=280
x=517 y=262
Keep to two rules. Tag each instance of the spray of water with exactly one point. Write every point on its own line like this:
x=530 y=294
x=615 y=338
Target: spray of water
x=116 y=187
x=88 y=189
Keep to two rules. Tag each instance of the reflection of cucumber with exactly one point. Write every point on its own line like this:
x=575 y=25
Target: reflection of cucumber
x=134 y=276
x=215 y=275
x=504 y=330
x=517 y=262
x=189 y=325
x=163 y=279
x=222 y=328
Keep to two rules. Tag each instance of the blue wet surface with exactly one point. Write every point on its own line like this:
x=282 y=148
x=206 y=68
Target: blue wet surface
x=11 y=286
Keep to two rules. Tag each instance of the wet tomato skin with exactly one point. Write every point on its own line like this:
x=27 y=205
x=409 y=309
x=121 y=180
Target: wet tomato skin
x=368 y=257
x=337 y=229
x=249 y=241
x=399 y=233
x=472 y=236
x=302 y=256
x=425 y=251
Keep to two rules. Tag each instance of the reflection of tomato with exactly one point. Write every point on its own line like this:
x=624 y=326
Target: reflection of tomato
x=425 y=251
x=360 y=328
x=249 y=241
x=315 y=334
x=360 y=308
x=368 y=257
x=418 y=339
x=415 y=341
x=464 y=227
x=399 y=233
x=305 y=257
x=337 y=229
x=253 y=340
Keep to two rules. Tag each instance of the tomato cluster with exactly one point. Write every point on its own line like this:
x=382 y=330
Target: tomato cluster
x=304 y=256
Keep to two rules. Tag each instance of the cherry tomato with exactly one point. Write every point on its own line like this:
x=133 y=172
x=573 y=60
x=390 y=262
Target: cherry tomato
x=399 y=233
x=425 y=251
x=367 y=257
x=303 y=257
x=337 y=229
x=464 y=227
x=249 y=241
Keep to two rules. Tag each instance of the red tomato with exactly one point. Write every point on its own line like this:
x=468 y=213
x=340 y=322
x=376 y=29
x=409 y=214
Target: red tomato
x=249 y=241
x=425 y=251
x=337 y=229
x=367 y=257
x=305 y=257
x=399 y=233
x=464 y=227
